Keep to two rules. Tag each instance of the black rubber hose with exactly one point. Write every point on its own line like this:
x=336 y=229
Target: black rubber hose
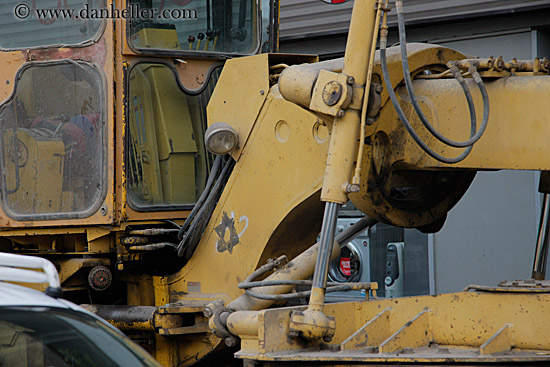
x=203 y=217
x=474 y=136
x=403 y=118
x=211 y=178
x=334 y=287
x=271 y=283
x=192 y=235
x=482 y=90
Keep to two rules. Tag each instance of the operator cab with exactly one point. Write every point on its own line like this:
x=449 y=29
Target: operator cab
x=57 y=125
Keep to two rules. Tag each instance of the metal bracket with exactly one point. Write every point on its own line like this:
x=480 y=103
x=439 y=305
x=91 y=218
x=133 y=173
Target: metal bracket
x=372 y=334
x=193 y=309
x=332 y=93
x=415 y=333
x=501 y=341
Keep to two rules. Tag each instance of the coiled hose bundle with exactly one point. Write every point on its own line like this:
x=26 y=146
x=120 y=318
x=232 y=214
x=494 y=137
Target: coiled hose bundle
x=474 y=135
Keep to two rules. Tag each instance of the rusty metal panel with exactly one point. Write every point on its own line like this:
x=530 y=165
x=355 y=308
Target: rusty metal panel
x=306 y=18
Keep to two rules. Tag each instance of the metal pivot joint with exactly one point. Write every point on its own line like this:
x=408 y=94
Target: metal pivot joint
x=313 y=324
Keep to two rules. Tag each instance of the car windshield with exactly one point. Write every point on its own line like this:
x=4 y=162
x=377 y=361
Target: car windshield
x=45 y=337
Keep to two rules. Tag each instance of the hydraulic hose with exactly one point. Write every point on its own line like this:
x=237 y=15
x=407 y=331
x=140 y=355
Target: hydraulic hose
x=474 y=137
x=191 y=237
x=211 y=177
x=408 y=82
x=280 y=277
x=403 y=118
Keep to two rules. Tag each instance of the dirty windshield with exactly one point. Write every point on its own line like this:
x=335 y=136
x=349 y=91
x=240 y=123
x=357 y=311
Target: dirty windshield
x=37 y=24
x=198 y=26
x=52 y=146
x=167 y=161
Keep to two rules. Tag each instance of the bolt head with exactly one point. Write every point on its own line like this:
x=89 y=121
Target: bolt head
x=341 y=113
x=332 y=93
x=350 y=80
x=207 y=312
x=230 y=341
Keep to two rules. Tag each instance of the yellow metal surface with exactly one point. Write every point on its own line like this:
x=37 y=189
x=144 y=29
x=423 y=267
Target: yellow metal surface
x=500 y=342
x=378 y=167
x=507 y=143
x=313 y=324
x=301 y=267
x=243 y=82
x=345 y=131
x=156 y=38
x=296 y=82
x=457 y=327
x=282 y=149
x=398 y=161
x=99 y=53
x=415 y=333
x=373 y=333
x=272 y=199
x=70 y=266
x=331 y=94
x=243 y=323
x=193 y=73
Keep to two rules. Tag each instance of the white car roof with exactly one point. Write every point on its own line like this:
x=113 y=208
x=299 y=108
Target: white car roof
x=16 y=295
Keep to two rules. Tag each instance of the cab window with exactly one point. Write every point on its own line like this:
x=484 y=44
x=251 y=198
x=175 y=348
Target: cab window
x=195 y=26
x=46 y=23
x=166 y=159
x=51 y=144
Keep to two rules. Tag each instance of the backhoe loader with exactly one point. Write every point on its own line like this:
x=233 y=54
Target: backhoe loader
x=194 y=240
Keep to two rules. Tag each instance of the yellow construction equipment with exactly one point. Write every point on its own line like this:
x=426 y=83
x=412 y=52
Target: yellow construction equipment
x=113 y=181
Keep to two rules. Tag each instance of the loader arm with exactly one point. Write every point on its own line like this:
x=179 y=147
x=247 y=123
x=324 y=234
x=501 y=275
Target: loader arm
x=403 y=185
x=271 y=201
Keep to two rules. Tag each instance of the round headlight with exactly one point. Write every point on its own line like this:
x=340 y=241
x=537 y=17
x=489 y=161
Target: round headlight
x=220 y=138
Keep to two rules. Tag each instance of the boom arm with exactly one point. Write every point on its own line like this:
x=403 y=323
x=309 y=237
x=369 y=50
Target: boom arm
x=402 y=185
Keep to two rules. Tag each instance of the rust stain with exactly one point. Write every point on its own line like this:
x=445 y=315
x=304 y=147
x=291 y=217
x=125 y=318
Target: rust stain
x=96 y=52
